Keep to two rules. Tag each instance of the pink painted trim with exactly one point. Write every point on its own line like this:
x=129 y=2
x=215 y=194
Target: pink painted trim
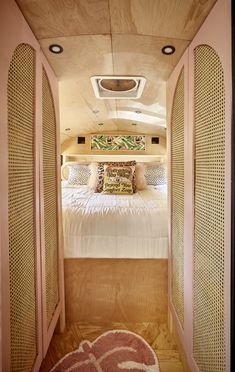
x=221 y=42
x=37 y=206
x=184 y=331
x=16 y=35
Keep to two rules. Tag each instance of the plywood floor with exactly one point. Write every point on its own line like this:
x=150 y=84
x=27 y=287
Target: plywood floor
x=156 y=335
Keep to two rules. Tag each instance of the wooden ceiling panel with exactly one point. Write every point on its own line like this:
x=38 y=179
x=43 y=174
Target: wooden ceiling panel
x=81 y=111
x=54 y=18
x=173 y=18
x=141 y=127
x=113 y=37
x=83 y=56
x=141 y=55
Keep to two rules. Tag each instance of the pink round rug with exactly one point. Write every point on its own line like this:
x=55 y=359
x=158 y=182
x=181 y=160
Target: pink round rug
x=113 y=351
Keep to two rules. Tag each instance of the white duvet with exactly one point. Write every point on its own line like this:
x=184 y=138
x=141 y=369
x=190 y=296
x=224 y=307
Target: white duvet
x=114 y=226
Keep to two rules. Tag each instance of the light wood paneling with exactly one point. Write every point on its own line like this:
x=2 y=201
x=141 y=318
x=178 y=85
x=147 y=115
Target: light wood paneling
x=102 y=37
x=72 y=147
x=83 y=56
x=52 y=18
x=75 y=66
x=141 y=55
x=109 y=290
x=156 y=334
x=175 y=18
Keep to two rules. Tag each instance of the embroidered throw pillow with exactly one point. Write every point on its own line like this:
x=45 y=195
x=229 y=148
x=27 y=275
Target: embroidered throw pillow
x=118 y=180
x=155 y=175
x=100 y=173
x=78 y=174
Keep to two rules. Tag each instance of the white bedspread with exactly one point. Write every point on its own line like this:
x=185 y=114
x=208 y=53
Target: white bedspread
x=115 y=226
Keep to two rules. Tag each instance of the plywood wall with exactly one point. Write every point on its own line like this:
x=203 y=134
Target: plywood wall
x=72 y=147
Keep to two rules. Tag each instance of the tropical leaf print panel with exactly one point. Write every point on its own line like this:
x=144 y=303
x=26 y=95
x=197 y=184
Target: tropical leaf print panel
x=116 y=143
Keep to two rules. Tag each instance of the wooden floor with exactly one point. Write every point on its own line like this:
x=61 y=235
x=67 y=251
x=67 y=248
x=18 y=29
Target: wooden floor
x=156 y=335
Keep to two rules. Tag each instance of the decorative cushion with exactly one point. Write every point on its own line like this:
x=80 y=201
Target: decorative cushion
x=118 y=180
x=139 y=177
x=100 y=173
x=93 y=177
x=65 y=168
x=155 y=175
x=78 y=174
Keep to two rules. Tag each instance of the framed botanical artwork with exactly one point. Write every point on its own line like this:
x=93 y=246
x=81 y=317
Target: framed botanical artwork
x=118 y=142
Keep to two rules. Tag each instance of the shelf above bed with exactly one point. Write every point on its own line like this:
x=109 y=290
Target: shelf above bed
x=83 y=158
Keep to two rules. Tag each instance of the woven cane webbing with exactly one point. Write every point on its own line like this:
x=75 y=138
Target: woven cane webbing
x=208 y=281
x=177 y=203
x=21 y=199
x=50 y=197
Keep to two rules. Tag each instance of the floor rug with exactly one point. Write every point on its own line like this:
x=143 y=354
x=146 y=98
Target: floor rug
x=113 y=351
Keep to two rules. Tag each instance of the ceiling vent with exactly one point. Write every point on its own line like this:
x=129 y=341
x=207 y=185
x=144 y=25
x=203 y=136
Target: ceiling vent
x=118 y=87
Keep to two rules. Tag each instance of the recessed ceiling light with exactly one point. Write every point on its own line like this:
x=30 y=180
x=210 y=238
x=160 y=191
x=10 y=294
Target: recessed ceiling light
x=56 y=48
x=138 y=112
x=100 y=123
x=168 y=49
x=67 y=129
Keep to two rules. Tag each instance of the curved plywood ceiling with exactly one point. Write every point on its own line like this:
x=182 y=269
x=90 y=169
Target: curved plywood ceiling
x=113 y=37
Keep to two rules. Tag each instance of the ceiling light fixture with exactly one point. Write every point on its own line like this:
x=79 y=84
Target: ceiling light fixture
x=56 y=48
x=168 y=49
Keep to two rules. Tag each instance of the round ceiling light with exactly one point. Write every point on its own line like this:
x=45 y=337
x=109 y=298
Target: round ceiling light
x=56 y=48
x=168 y=49
x=118 y=85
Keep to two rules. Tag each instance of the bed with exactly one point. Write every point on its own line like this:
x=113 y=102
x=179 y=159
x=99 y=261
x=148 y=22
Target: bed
x=114 y=226
x=115 y=249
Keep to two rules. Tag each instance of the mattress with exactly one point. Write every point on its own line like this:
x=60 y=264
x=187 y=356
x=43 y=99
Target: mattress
x=114 y=226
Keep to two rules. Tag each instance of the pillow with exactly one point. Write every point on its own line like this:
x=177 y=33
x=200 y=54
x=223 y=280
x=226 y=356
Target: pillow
x=155 y=174
x=118 y=179
x=100 y=173
x=78 y=174
x=65 y=168
x=93 y=177
x=139 y=177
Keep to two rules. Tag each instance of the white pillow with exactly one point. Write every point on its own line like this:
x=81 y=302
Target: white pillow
x=155 y=174
x=78 y=174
